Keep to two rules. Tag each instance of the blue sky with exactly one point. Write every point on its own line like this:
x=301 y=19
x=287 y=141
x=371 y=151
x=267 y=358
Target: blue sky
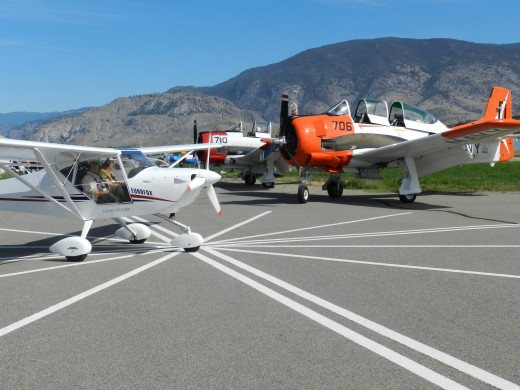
x=58 y=55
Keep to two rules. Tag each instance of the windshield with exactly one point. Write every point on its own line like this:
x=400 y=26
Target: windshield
x=134 y=161
x=342 y=108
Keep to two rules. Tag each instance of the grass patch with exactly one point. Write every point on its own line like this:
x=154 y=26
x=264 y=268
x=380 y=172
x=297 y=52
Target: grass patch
x=470 y=178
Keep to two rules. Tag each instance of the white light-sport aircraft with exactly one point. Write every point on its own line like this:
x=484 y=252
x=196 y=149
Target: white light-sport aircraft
x=144 y=189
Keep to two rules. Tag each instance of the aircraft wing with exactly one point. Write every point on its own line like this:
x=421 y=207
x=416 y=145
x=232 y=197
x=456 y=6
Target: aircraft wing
x=151 y=150
x=256 y=156
x=439 y=151
x=21 y=150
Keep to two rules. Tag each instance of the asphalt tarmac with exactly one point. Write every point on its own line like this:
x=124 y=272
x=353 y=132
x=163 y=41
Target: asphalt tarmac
x=361 y=292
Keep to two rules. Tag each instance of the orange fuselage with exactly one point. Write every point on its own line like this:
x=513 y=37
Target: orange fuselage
x=305 y=136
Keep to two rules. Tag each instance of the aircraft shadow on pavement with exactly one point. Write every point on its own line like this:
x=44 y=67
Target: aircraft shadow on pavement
x=237 y=193
x=41 y=246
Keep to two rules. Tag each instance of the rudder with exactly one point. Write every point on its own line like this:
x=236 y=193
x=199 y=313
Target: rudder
x=499 y=105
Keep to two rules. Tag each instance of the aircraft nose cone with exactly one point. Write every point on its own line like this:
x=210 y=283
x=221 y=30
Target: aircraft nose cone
x=210 y=176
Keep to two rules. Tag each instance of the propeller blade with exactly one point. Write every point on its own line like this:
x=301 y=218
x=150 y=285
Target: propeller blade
x=195 y=135
x=212 y=195
x=209 y=151
x=284 y=113
x=196 y=183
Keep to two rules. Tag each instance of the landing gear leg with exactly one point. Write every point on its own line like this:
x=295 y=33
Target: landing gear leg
x=303 y=191
x=409 y=187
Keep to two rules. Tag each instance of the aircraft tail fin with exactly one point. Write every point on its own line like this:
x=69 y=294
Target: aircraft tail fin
x=499 y=104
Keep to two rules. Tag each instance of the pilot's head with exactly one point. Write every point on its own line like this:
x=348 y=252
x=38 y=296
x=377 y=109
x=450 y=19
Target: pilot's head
x=107 y=163
x=93 y=165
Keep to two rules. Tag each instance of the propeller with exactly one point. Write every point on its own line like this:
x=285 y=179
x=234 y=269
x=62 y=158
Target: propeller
x=195 y=135
x=208 y=179
x=284 y=113
x=212 y=195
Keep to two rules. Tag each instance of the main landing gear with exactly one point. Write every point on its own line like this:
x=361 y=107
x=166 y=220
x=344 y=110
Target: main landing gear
x=77 y=248
x=267 y=179
x=249 y=178
x=410 y=198
x=333 y=186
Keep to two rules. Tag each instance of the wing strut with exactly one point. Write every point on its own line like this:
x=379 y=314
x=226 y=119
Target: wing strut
x=34 y=188
x=58 y=184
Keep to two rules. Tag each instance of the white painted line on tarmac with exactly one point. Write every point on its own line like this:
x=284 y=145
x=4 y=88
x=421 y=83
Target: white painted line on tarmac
x=30 y=232
x=357 y=338
x=415 y=267
x=61 y=266
x=28 y=320
x=274 y=241
x=235 y=226
x=262 y=245
x=433 y=353
x=313 y=227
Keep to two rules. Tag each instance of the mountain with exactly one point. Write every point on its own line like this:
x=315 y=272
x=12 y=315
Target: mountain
x=450 y=78
x=155 y=119
x=11 y=122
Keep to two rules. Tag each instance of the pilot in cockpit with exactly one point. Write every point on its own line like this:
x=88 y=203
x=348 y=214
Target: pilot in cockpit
x=94 y=187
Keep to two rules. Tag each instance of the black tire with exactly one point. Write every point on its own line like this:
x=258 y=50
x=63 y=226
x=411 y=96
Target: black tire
x=76 y=258
x=410 y=198
x=249 y=179
x=335 y=190
x=268 y=185
x=137 y=241
x=303 y=194
x=192 y=249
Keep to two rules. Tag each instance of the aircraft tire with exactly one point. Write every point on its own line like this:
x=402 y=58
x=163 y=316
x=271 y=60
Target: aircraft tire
x=303 y=194
x=192 y=249
x=137 y=241
x=76 y=258
x=335 y=190
x=410 y=198
x=268 y=185
x=249 y=179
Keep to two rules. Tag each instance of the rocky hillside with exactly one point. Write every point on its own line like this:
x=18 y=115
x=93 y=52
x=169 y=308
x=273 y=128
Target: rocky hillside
x=158 y=119
x=450 y=78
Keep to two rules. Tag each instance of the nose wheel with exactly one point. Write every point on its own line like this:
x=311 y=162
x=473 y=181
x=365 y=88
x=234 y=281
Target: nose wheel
x=303 y=193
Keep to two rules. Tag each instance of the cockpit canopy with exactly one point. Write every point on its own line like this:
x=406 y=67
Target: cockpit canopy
x=372 y=111
x=342 y=108
x=400 y=115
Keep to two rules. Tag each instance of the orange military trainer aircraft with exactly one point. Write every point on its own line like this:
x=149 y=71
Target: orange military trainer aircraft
x=399 y=135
